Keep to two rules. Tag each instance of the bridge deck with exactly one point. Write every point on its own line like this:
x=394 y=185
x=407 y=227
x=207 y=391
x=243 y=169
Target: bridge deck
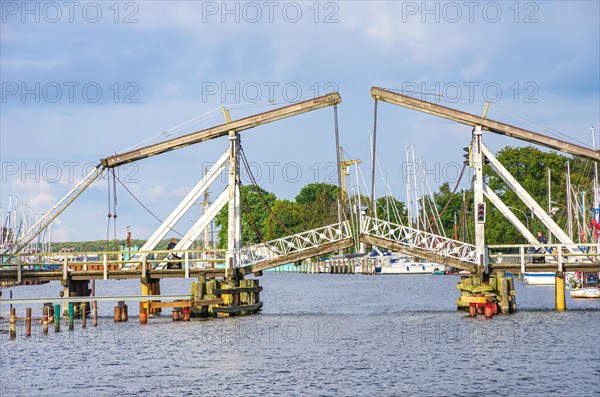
x=418 y=253
x=298 y=256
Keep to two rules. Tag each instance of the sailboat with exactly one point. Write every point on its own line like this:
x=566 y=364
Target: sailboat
x=587 y=284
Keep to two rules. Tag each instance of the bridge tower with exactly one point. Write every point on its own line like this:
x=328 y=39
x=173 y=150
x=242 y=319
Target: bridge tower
x=478 y=160
x=234 y=225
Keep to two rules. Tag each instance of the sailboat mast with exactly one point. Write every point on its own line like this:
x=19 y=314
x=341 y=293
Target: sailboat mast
x=549 y=202
x=569 y=204
x=596 y=192
x=408 y=191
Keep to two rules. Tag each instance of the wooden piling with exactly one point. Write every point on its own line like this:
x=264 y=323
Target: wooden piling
x=480 y=306
x=117 y=314
x=57 y=318
x=512 y=302
x=83 y=315
x=488 y=311
x=124 y=311
x=45 y=311
x=13 y=323
x=504 y=306
x=143 y=313
x=95 y=312
x=28 y=321
x=472 y=309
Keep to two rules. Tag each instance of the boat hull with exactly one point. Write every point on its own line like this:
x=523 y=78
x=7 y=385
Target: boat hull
x=412 y=268
x=585 y=293
x=538 y=278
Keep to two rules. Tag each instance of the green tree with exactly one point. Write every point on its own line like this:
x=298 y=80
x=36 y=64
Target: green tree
x=392 y=210
x=455 y=210
x=255 y=209
x=284 y=212
x=318 y=205
x=317 y=191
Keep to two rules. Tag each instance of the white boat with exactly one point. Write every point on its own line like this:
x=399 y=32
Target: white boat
x=412 y=268
x=539 y=278
x=584 y=285
x=591 y=292
x=401 y=264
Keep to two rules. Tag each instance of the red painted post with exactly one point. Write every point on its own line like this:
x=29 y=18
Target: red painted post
x=472 y=309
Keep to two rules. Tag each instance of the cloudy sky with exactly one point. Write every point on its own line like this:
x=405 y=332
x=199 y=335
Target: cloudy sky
x=83 y=80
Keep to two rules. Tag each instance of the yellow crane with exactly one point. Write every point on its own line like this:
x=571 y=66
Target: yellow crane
x=345 y=170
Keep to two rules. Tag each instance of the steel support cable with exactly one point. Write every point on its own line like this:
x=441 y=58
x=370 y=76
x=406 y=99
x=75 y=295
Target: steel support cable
x=253 y=182
x=143 y=206
x=109 y=214
x=254 y=225
x=465 y=206
x=453 y=193
x=114 y=208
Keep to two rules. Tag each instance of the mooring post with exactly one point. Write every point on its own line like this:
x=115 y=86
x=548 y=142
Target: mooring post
x=45 y=311
x=117 y=314
x=28 y=321
x=560 y=283
x=56 y=318
x=13 y=323
x=124 y=314
x=143 y=313
x=95 y=312
x=145 y=289
x=560 y=291
x=71 y=316
x=83 y=315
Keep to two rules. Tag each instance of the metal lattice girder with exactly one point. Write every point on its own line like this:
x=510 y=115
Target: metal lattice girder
x=211 y=175
x=529 y=201
x=188 y=239
x=305 y=242
x=419 y=240
x=505 y=210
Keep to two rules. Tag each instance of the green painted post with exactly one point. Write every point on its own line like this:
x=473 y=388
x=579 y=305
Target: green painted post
x=71 y=315
x=56 y=318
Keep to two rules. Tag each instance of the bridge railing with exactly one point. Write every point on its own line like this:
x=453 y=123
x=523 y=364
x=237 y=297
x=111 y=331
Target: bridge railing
x=106 y=260
x=295 y=243
x=559 y=255
x=418 y=239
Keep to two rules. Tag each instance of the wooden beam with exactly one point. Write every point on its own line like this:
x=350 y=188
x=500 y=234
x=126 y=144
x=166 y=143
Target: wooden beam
x=205 y=302
x=427 y=255
x=476 y=299
x=222 y=130
x=298 y=256
x=486 y=124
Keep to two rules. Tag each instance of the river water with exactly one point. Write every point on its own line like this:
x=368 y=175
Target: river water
x=329 y=335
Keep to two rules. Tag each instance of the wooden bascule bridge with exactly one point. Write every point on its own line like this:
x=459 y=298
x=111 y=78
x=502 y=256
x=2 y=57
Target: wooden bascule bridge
x=227 y=290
